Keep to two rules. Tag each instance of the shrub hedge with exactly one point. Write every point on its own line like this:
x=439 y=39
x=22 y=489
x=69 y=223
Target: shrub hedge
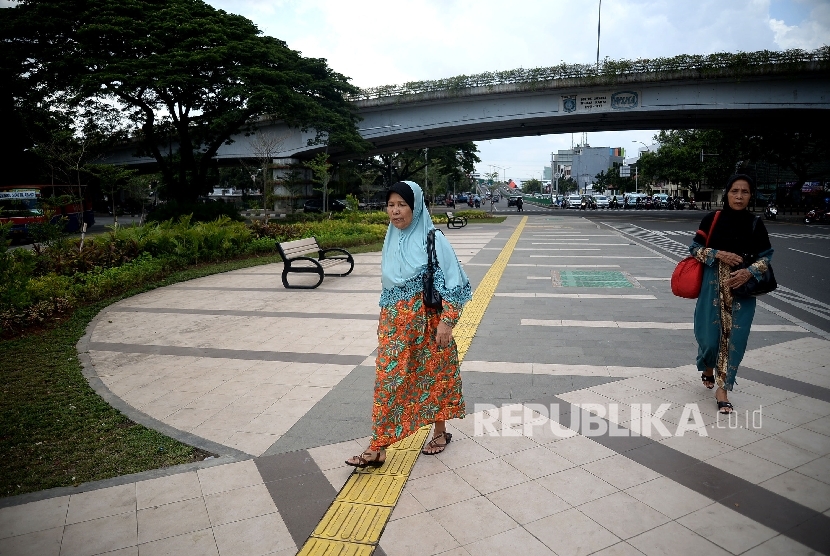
x=54 y=278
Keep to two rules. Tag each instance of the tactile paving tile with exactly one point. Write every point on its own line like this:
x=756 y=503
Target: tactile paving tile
x=411 y=442
x=356 y=523
x=473 y=312
x=379 y=490
x=328 y=547
x=398 y=462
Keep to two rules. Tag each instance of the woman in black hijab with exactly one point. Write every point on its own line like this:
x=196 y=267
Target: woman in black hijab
x=722 y=319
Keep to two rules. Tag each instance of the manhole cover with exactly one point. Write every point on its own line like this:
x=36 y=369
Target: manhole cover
x=591 y=279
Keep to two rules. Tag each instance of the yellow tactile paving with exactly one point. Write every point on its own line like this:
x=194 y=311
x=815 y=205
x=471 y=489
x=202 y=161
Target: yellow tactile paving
x=370 y=488
x=353 y=524
x=465 y=329
x=348 y=522
x=327 y=547
x=398 y=462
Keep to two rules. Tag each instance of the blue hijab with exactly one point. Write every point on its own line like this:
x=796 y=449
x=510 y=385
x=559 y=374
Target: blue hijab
x=405 y=259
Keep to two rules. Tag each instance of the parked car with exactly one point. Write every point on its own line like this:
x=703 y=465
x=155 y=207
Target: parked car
x=316 y=205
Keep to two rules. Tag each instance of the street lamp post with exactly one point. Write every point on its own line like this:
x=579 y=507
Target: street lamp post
x=637 y=168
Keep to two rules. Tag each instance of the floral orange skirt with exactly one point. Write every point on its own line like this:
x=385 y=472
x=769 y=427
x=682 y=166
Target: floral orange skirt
x=416 y=382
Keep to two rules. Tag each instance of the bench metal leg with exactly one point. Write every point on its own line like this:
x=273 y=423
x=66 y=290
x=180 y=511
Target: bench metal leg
x=285 y=283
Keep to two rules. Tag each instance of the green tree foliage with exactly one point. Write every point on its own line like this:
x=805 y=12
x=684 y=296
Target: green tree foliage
x=186 y=75
x=567 y=185
x=454 y=162
x=679 y=161
x=532 y=186
x=321 y=168
x=610 y=180
x=806 y=154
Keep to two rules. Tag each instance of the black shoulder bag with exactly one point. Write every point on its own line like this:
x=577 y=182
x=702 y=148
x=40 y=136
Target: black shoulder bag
x=432 y=298
x=753 y=286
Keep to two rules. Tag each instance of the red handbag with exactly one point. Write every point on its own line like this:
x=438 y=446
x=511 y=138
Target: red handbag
x=687 y=278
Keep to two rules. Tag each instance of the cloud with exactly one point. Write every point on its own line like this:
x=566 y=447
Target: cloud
x=379 y=42
x=808 y=34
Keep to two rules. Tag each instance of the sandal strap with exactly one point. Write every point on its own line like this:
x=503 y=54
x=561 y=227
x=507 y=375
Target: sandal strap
x=434 y=442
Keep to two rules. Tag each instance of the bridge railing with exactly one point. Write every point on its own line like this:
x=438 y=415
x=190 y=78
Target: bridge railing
x=742 y=63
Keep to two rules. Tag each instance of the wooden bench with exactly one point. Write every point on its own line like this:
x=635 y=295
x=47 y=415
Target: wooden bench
x=455 y=221
x=292 y=253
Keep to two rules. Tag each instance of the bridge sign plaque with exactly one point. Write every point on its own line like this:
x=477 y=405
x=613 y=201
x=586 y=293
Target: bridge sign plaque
x=600 y=102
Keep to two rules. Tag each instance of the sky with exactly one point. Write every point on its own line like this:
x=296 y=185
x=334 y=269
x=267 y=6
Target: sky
x=383 y=42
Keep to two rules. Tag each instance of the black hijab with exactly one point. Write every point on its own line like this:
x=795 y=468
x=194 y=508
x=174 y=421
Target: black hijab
x=737 y=231
x=402 y=189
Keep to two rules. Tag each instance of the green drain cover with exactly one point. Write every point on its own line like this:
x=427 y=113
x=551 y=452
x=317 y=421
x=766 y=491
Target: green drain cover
x=591 y=279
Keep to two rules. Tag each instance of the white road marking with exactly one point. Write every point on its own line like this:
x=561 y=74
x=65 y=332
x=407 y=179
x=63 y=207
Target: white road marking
x=590 y=257
x=653 y=325
x=577 y=295
x=808 y=253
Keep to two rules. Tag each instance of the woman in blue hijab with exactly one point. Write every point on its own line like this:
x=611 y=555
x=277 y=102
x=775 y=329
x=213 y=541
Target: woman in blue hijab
x=417 y=374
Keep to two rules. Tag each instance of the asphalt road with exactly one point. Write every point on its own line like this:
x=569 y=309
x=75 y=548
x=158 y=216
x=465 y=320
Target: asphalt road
x=801 y=260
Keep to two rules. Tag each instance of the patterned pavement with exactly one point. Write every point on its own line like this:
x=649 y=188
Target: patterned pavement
x=572 y=444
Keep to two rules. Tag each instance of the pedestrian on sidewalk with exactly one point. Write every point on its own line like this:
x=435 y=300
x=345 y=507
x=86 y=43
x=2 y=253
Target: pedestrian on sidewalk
x=722 y=320
x=417 y=380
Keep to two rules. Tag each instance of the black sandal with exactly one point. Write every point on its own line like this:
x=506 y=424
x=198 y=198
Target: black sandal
x=363 y=462
x=708 y=380
x=432 y=444
x=724 y=405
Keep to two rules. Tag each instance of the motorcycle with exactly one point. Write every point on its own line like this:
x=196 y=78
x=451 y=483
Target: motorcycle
x=771 y=212
x=692 y=205
x=817 y=216
x=583 y=205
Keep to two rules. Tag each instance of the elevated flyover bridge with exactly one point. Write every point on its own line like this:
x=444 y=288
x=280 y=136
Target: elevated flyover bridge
x=760 y=90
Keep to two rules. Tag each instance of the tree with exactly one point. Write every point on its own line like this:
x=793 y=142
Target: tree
x=532 y=186
x=320 y=167
x=294 y=185
x=679 y=160
x=806 y=154
x=186 y=75
x=566 y=185
x=112 y=180
x=452 y=161
x=265 y=146
x=612 y=180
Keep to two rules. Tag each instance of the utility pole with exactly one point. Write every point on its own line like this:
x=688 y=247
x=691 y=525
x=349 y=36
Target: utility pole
x=599 y=17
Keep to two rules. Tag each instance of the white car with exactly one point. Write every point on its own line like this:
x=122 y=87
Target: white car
x=601 y=201
x=573 y=201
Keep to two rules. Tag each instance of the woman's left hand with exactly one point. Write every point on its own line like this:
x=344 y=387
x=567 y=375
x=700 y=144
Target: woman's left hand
x=738 y=278
x=443 y=334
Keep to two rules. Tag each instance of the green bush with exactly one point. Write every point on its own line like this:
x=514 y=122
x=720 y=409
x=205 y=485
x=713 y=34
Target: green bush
x=48 y=281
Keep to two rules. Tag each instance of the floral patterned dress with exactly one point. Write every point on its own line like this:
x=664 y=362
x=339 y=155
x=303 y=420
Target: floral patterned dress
x=417 y=382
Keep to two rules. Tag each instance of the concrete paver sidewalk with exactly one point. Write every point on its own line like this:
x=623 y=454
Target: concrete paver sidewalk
x=562 y=452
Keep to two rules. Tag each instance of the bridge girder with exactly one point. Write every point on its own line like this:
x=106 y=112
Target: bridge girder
x=775 y=102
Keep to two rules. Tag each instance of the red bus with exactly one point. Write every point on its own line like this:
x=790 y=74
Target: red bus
x=23 y=205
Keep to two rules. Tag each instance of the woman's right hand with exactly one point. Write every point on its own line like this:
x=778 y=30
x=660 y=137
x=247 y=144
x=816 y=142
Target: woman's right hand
x=729 y=258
